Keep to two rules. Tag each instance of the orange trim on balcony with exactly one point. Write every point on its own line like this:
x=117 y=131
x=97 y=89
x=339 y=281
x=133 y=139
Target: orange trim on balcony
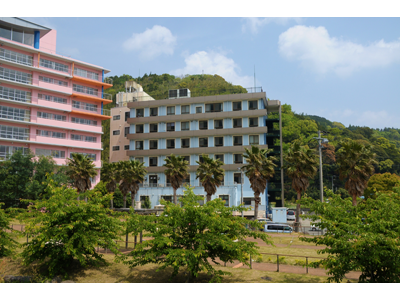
x=93 y=98
x=103 y=117
x=91 y=81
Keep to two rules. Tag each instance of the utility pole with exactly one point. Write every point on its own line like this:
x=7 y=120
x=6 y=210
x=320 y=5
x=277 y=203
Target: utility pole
x=321 y=186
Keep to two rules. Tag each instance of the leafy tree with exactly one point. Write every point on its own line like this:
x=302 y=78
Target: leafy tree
x=300 y=164
x=356 y=165
x=176 y=171
x=146 y=203
x=7 y=243
x=359 y=238
x=118 y=198
x=383 y=183
x=110 y=174
x=69 y=231
x=80 y=169
x=132 y=173
x=259 y=169
x=190 y=235
x=211 y=175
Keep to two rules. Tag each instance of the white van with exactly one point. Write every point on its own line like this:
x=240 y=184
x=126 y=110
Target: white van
x=275 y=227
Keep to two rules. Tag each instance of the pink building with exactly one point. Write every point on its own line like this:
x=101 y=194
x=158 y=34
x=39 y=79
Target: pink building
x=49 y=103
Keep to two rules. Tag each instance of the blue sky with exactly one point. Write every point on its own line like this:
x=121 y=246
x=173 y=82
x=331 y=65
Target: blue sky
x=344 y=69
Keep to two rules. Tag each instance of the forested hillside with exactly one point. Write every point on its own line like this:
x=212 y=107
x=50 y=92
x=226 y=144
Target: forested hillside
x=385 y=142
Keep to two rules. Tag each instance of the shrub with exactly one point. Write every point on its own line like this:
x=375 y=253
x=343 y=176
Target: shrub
x=7 y=244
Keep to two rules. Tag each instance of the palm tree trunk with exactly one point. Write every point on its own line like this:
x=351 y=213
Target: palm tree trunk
x=208 y=197
x=124 y=200
x=256 y=202
x=354 y=200
x=297 y=222
x=175 y=200
x=112 y=203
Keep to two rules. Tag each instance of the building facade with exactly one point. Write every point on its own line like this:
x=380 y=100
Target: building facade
x=50 y=104
x=219 y=126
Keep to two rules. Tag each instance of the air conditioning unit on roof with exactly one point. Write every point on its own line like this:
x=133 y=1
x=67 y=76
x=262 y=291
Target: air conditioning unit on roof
x=181 y=93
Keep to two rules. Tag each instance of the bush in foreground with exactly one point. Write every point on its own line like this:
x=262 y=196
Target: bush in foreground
x=7 y=244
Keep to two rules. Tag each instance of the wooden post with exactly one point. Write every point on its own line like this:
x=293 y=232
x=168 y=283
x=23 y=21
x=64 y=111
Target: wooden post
x=277 y=262
x=141 y=236
x=126 y=242
x=251 y=263
x=307 y=265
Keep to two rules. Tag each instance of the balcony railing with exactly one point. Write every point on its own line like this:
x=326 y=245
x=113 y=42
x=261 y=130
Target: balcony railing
x=16 y=57
x=108 y=80
x=107 y=96
x=98 y=110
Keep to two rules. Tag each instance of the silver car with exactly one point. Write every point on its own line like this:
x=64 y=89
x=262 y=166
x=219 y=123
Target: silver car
x=279 y=228
x=291 y=215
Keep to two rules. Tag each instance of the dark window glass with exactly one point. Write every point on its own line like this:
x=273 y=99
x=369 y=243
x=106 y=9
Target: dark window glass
x=237 y=123
x=153 y=111
x=187 y=158
x=5 y=32
x=215 y=107
x=171 y=126
x=203 y=142
x=199 y=110
x=238 y=159
x=218 y=124
x=253 y=122
x=185 y=143
x=237 y=141
x=237 y=106
x=170 y=110
x=17 y=35
x=247 y=201
x=116 y=132
x=184 y=126
x=171 y=144
x=219 y=156
x=218 y=141
x=115 y=148
x=237 y=178
x=139 y=128
x=139 y=145
x=185 y=109
x=139 y=112
x=116 y=118
x=253 y=104
x=201 y=159
x=203 y=125
x=126 y=131
x=253 y=140
x=127 y=115
x=153 y=144
x=154 y=127
x=153 y=161
x=126 y=147
x=225 y=198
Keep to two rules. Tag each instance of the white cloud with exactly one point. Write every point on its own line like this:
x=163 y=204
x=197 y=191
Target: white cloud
x=316 y=50
x=253 y=24
x=152 y=42
x=214 y=63
x=372 y=119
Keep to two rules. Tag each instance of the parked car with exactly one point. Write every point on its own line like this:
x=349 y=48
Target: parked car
x=276 y=227
x=291 y=215
x=315 y=228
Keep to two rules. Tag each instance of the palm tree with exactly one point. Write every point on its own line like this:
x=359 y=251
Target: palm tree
x=176 y=171
x=211 y=175
x=110 y=176
x=300 y=164
x=259 y=169
x=132 y=173
x=80 y=169
x=356 y=165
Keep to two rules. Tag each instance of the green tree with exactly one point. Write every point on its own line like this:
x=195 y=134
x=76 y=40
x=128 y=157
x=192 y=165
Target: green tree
x=383 y=183
x=359 y=238
x=111 y=176
x=118 y=198
x=259 y=169
x=356 y=165
x=69 y=231
x=300 y=165
x=192 y=235
x=211 y=175
x=146 y=203
x=132 y=173
x=7 y=243
x=176 y=171
x=80 y=169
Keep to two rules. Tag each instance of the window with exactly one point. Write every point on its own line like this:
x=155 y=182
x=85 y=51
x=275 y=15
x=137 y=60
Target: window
x=52 y=98
x=53 y=65
x=253 y=122
x=85 y=90
x=139 y=145
x=53 y=81
x=237 y=123
x=6 y=151
x=126 y=147
x=116 y=132
x=139 y=128
x=85 y=138
x=185 y=126
x=225 y=198
x=203 y=125
x=170 y=110
x=218 y=141
x=171 y=144
x=116 y=118
x=237 y=178
x=153 y=111
x=218 y=124
x=167 y=198
x=17 y=133
x=52 y=153
x=127 y=115
x=236 y=105
x=87 y=74
x=203 y=142
x=199 y=110
x=17 y=35
x=186 y=180
x=15 y=95
x=171 y=126
x=139 y=159
x=153 y=161
x=52 y=134
x=154 y=127
x=253 y=139
x=115 y=148
x=247 y=201
x=83 y=121
x=253 y=104
x=153 y=144
x=238 y=158
x=201 y=158
x=51 y=116
x=187 y=158
x=185 y=109
x=139 y=112
x=19 y=58
x=12 y=113
x=16 y=76
x=237 y=141
x=219 y=157
x=126 y=132
x=215 y=107
x=185 y=143
x=84 y=105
